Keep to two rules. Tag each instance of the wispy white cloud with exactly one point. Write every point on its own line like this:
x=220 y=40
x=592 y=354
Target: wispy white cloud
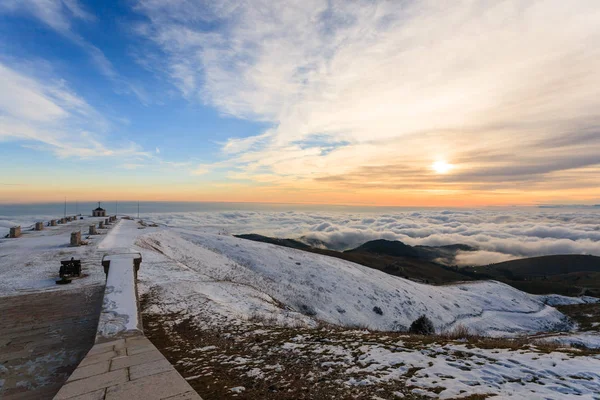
x=242 y=145
x=417 y=81
x=201 y=170
x=60 y=15
x=47 y=115
x=57 y=14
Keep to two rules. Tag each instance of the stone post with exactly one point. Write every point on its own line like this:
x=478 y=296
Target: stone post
x=76 y=238
x=15 y=232
x=53 y=222
x=107 y=221
x=39 y=226
x=93 y=230
x=101 y=225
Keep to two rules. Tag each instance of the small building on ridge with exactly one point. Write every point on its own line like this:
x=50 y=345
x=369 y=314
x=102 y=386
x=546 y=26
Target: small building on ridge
x=99 y=212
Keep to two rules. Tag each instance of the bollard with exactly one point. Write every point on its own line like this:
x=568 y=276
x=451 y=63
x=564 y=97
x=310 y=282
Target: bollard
x=15 y=232
x=76 y=238
x=53 y=222
x=106 y=221
x=93 y=230
x=101 y=225
x=39 y=226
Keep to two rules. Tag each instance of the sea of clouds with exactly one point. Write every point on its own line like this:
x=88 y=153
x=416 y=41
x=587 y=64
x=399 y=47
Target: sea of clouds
x=499 y=234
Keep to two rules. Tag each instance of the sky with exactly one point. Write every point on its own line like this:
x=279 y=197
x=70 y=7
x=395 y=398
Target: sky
x=399 y=103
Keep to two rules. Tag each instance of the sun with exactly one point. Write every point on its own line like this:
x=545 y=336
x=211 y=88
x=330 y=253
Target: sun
x=441 y=167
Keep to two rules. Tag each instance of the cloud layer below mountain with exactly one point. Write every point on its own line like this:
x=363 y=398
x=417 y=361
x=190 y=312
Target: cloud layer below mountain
x=499 y=234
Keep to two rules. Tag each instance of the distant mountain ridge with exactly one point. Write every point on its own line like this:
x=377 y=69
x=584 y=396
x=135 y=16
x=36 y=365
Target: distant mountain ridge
x=569 y=274
x=548 y=265
x=292 y=243
x=441 y=254
x=419 y=263
x=389 y=247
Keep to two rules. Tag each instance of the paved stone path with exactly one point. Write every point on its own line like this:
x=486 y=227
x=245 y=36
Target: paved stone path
x=43 y=337
x=127 y=368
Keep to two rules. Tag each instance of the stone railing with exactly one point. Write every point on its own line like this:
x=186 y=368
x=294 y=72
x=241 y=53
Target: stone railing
x=124 y=364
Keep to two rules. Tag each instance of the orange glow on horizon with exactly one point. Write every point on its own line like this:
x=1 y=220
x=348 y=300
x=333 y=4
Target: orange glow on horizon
x=238 y=193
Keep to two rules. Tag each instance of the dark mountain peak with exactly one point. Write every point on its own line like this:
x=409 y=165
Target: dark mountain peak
x=458 y=247
x=295 y=244
x=312 y=242
x=549 y=265
x=388 y=247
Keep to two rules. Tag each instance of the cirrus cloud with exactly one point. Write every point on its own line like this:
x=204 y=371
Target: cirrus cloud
x=493 y=87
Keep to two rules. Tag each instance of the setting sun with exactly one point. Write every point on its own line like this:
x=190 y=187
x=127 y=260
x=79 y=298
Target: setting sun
x=441 y=167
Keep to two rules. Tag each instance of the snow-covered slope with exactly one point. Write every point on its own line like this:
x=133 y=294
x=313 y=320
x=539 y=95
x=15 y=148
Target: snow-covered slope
x=243 y=279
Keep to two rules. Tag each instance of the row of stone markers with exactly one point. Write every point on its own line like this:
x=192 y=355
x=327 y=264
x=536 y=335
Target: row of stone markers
x=93 y=230
x=16 y=231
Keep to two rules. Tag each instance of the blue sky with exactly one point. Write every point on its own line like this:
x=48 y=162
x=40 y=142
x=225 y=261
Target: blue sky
x=361 y=102
x=157 y=117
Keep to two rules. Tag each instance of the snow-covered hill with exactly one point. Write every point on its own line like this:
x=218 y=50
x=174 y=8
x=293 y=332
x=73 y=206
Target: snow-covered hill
x=203 y=273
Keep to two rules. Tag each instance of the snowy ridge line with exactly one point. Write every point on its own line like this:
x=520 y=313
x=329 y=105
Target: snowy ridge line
x=441 y=328
x=313 y=287
x=458 y=319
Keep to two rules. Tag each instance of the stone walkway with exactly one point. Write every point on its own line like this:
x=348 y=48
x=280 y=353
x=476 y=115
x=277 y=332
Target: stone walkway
x=127 y=368
x=43 y=337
